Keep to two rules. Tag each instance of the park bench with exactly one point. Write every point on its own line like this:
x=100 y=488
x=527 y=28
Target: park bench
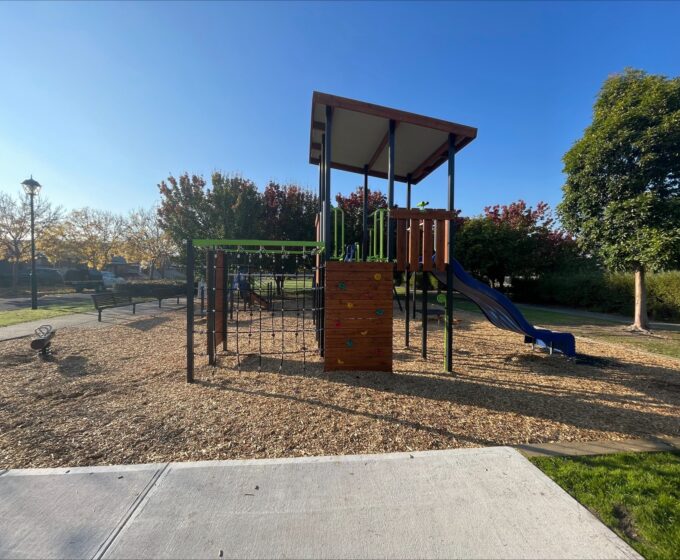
x=109 y=301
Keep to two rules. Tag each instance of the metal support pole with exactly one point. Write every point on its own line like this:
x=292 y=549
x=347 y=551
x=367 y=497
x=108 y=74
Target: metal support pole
x=34 y=278
x=364 y=237
x=407 y=301
x=190 y=311
x=424 y=314
x=407 y=273
x=390 y=188
x=408 y=192
x=210 y=278
x=449 y=268
x=327 y=181
x=225 y=298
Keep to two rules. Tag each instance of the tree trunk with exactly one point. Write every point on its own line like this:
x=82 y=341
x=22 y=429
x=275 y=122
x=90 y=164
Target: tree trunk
x=640 y=321
x=15 y=273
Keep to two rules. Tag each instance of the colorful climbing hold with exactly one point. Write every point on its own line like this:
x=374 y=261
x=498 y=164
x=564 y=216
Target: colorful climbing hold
x=349 y=343
x=342 y=285
x=377 y=276
x=364 y=333
x=350 y=305
x=338 y=324
x=441 y=298
x=379 y=312
x=340 y=361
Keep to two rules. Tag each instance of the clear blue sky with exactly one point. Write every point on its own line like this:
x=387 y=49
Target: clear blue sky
x=102 y=101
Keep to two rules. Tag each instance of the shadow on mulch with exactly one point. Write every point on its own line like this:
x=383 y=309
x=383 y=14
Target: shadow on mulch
x=147 y=324
x=73 y=366
x=579 y=408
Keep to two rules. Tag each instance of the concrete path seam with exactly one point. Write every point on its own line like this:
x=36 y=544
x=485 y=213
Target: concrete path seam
x=3 y=471
x=129 y=513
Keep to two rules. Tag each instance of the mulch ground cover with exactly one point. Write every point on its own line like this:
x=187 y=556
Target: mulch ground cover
x=118 y=394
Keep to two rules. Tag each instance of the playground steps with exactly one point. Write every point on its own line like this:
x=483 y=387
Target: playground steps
x=358 y=316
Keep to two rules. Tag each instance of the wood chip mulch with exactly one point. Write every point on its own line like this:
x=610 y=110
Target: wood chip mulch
x=117 y=395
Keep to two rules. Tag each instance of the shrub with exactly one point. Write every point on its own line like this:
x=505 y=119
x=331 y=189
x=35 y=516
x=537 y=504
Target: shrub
x=604 y=292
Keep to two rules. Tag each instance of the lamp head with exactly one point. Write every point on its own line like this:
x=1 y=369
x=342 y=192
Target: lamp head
x=31 y=186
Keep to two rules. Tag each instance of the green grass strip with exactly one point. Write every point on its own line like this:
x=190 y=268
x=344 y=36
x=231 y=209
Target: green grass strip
x=635 y=494
x=17 y=316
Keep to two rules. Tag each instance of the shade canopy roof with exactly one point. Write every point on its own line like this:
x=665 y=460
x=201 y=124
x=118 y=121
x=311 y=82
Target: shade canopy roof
x=360 y=136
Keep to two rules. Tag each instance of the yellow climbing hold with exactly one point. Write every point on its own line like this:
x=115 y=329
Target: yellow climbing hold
x=350 y=305
x=377 y=276
x=340 y=361
x=364 y=333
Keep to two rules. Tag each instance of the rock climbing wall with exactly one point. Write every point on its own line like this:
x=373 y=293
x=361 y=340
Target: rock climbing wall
x=358 y=308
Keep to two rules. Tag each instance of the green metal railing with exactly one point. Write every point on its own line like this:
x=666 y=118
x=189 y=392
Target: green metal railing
x=377 y=250
x=338 y=223
x=263 y=246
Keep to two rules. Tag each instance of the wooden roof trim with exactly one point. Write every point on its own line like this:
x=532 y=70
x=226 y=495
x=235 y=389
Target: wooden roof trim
x=393 y=114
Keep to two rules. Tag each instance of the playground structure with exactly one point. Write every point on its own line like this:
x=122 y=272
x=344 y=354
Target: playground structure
x=268 y=297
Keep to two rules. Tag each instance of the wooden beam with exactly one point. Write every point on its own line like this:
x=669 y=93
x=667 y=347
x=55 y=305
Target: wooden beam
x=431 y=161
x=381 y=147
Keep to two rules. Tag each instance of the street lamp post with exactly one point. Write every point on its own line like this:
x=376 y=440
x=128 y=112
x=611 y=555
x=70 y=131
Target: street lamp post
x=31 y=188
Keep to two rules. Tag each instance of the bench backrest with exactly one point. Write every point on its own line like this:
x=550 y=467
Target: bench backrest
x=110 y=300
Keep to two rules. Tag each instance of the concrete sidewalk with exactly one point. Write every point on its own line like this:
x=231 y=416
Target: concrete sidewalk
x=466 y=503
x=89 y=318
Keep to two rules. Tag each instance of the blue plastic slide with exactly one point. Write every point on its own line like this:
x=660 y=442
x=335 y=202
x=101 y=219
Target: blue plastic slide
x=502 y=313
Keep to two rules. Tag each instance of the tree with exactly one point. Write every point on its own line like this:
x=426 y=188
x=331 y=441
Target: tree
x=15 y=226
x=288 y=214
x=230 y=209
x=147 y=242
x=97 y=235
x=353 y=207
x=623 y=179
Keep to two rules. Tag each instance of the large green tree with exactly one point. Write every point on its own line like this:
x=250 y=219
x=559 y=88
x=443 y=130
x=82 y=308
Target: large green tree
x=623 y=179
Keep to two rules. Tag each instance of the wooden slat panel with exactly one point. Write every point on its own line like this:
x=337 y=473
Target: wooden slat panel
x=401 y=244
x=440 y=240
x=428 y=245
x=414 y=244
x=408 y=214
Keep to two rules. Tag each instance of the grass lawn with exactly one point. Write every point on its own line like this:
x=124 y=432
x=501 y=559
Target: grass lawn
x=16 y=316
x=661 y=341
x=636 y=494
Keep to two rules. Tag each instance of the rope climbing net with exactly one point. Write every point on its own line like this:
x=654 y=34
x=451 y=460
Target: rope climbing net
x=261 y=303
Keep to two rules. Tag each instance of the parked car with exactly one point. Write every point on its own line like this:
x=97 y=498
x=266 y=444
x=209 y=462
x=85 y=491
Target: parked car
x=84 y=279
x=46 y=276
x=110 y=279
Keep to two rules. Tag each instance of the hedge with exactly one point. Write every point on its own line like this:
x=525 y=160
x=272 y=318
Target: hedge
x=151 y=289
x=608 y=293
